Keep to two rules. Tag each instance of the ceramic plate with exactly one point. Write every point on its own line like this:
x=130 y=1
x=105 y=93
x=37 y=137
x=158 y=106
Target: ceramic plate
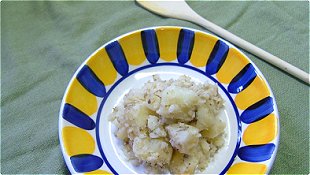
x=86 y=136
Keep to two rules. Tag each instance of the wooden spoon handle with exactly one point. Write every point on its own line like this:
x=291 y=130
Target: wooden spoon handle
x=285 y=66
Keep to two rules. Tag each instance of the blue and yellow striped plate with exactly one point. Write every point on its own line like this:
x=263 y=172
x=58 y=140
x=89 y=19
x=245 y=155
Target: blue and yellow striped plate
x=86 y=137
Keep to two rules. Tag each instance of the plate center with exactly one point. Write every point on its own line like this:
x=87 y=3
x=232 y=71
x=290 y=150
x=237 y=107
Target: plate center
x=110 y=146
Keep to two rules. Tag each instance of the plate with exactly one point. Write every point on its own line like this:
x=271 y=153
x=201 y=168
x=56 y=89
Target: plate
x=86 y=136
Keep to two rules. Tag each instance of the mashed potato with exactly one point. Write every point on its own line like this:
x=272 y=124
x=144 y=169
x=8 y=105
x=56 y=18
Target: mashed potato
x=170 y=125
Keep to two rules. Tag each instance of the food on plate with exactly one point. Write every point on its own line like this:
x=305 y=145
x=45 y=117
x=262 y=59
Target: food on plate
x=171 y=125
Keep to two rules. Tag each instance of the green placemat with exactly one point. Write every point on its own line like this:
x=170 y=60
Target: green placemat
x=43 y=43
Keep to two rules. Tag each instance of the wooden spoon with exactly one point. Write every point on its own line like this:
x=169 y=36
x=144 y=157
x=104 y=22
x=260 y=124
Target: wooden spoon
x=180 y=10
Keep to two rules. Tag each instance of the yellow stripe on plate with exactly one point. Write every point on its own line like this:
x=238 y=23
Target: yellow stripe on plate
x=255 y=92
x=168 y=42
x=98 y=172
x=202 y=49
x=81 y=98
x=133 y=48
x=247 y=168
x=77 y=141
x=262 y=131
x=102 y=66
x=234 y=63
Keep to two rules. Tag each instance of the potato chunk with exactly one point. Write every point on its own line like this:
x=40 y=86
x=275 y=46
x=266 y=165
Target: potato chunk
x=205 y=117
x=183 y=137
x=182 y=163
x=178 y=103
x=155 y=128
x=154 y=151
x=207 y=122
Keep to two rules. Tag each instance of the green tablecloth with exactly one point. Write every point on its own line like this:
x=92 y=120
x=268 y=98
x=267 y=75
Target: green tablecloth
x=43 y=43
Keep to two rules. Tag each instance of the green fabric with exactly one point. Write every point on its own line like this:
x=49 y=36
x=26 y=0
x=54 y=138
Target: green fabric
x=43 y=43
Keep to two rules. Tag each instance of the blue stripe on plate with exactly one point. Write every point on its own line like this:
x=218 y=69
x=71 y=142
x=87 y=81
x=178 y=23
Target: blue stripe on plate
x=256 y=153
x=91 y=82
x=217 y=57
x=150 y=45
x=86 y=162
x=243 y=79
x=185 y=45
x=77 y=117
x=117 y=57
x=257 y=111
